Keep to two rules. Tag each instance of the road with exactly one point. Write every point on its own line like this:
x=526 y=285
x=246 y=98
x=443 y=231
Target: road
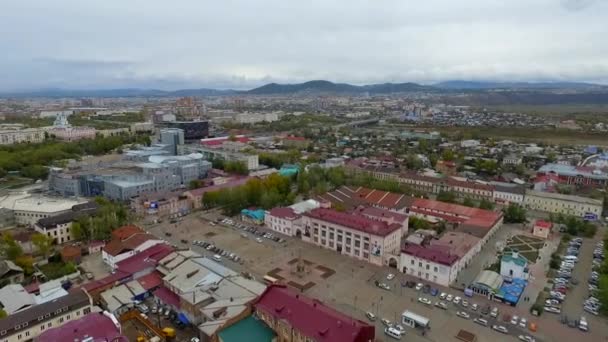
x=351 y=289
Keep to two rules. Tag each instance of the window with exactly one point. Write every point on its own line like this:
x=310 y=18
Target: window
x=331 y=236
x=435 y=269
x=323 y=233
x=27 y=334
x=357 y=243
x=356 y=252
x=348 y=241
x=419 y=264
x=42 y=327
x=61 y=320
x=412 y=262
x=19 y=336
x=428 y=266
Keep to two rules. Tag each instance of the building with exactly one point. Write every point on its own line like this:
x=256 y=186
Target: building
x=542 y=229
x=27 y=135
x=59 y=227
x=192 y=129
x=353 y=234
x=431 y=263
x=563 y=204
x=350 y=197
x=14 y=298
x=470 y=143
x=295 y=317
x=576 y=175
x=30 y=323
x=513 y=265
x=251 y=161
x=30 y=209
x=507 y=193
x=250 y=329
x=512 y=159
x=162 y=204
x=98 y=326
x=173 y=137
x=10 y=273
x=121 y=249
x=284 y=221
x=71 y=254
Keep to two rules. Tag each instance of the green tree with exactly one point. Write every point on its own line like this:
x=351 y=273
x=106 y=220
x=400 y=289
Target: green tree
x=468 y=202
x=448 y=155
x=10 y=248
x=446 y=196
x=43 y=243
x=26 y=262
x=486 y=204
x=3 y=314
x=514 y=213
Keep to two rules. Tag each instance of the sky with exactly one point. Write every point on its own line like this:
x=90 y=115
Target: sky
x=240 y=44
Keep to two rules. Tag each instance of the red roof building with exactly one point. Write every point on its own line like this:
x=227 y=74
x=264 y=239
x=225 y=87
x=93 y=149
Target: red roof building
x=126 y=232
x=291 y=314
x=211 y=142
x=542 y=228
x=353 y=221
x=99 y=326
x=71 y=254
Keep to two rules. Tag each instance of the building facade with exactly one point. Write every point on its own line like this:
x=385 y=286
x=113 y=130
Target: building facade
x=27 y=135
x=563 y=204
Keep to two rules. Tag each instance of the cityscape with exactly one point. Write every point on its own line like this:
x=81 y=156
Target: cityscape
x=314 y=196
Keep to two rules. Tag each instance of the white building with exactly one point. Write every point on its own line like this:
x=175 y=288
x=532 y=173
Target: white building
x=54 y=113
x=29 y=210
x=284 y=221
x=513 y=265
x=117 y=250
x=469 y=143
x=27 y=135
x=354 y=235
x=57 y=227
x=505 y=193
x=563 y=204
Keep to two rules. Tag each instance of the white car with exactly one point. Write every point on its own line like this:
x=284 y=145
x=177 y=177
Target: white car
x=552 y=309
x=449 y=297
x=465 y=304
x=442 y=295
x=259 y=240
x=500 y=328
x=370 y=316
x=523 y=322
x=494 y=312
x=419 y=286
x=424 y=300
x=441 y=305
x=390 y=276
x=456 y=300
x=474 y=307
x=386 y=322
x=463 y=314
x=514 y=320
x=481 y=321
x=526 y=338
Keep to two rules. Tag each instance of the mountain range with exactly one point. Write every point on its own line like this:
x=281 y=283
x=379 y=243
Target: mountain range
x=315 y=87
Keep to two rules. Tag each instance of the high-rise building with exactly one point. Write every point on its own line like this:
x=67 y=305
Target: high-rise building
x=173 y=137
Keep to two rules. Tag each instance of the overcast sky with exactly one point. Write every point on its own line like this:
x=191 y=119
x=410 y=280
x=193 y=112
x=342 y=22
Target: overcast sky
x=245 y=43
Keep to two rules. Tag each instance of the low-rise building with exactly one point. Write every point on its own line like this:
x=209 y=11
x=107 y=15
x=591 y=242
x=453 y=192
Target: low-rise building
x=513 y=265
x=118 y=250
x=542 y=229
x=506 y=193
x=27 y=135
x=98 y=326
x=14 y=298
x=577 y=175
x=30 y=209
x=353 y=234
x=28 y=324
x=563 y=204
x=295 y=317
x=10 y=273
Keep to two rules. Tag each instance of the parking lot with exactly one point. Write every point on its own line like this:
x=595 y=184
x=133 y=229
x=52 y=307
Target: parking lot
x=352 y=289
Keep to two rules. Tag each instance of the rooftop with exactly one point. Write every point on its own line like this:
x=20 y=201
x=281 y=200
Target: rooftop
x=562 y=197
x=569 y=170
x=458 y=213
x=311 y=317
x=284 y=213
x=515 y=258
x=249 y=329
x=98 y=326
x=436 y=254
x=45 y=204
x=543 y=224
x=125 y=232
x=353 y=221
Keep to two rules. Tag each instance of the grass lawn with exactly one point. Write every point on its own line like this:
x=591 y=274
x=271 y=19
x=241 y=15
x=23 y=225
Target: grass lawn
x=54 y=270
x=530 y=255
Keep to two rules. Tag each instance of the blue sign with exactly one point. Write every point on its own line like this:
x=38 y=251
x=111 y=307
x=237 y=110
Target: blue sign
x=590 y=217
x=153 y=205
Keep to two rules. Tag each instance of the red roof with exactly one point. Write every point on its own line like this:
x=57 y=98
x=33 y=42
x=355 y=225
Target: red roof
x=97 y=326
x=145 y=259
x=312 y=318
x=151 y=280
x=284 y=213
x=167 y=296
x=434 y=254
x=110 y=279
x=543 y=224
x=353 y=221
x=456 y=213
x=125 y=232
x=116 y=247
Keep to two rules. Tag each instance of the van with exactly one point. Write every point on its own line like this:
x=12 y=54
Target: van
x=392 y=332
x=217 y=258
x=570 y=258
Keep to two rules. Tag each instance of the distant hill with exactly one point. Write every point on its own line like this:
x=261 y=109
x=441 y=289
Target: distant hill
x=322 y=86
x=483 y=85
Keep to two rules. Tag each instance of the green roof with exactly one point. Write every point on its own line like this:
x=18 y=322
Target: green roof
x=519 y=260
x=249 y=329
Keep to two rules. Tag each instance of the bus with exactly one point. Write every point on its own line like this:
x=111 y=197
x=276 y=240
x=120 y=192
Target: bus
x=270 y=280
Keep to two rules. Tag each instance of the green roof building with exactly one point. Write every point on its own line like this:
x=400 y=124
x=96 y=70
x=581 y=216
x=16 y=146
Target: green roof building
x=249 y=329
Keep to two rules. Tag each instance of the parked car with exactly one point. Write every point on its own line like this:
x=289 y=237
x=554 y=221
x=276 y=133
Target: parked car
x=424 y=300
x=370 y=316
x=500 y=328
x=494 y=312
x=386 y=322
x=552 y=309
x=441 y=305
x=481 y=321
x=390 y=276
x=474 y=307
x=419 y=286
x=442 y=295
x=463 y=314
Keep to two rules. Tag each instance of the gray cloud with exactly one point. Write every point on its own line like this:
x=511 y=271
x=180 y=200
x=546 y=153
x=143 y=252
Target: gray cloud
x=241 y=44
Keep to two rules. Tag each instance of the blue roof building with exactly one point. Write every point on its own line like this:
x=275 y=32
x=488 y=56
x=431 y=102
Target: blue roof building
x=289 y=170
x=253 y=215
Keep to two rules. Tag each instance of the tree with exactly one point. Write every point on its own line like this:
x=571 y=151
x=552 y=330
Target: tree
x=468 y=202
x=10 y=248
x=3 y=314
x=448 y=155
x=446 y=196
x=417 y=223
x=486 y=204
x=43 y=243
x=514 y=213
x=26 y=262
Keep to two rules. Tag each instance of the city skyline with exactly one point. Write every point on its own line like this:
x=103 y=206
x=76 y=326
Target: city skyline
x=242 y=45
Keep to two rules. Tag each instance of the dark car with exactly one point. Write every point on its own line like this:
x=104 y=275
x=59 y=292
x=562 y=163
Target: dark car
x=410 y=284
x=184 y=241
x=167 y=234
x=485 y=310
